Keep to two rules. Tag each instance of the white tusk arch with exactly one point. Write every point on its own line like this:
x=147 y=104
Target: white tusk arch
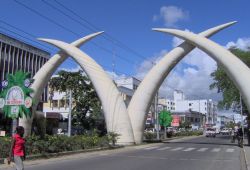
x=115 y=112
x=43 y=76
x=237 y=71
x=141 y=100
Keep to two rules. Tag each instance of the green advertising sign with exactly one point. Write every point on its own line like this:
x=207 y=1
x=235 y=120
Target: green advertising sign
x=15 y=97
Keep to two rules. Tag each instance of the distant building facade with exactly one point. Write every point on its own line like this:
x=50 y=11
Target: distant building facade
x=16 y=55
x=204 y=106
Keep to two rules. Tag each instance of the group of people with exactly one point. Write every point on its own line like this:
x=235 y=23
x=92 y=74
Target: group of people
x=237 y=133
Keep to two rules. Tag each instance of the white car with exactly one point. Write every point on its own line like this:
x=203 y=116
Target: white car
x=225 y=131
x=210 y=132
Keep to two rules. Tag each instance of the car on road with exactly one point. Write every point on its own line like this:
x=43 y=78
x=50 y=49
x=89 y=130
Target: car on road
x=210 y=132
x=225 y=131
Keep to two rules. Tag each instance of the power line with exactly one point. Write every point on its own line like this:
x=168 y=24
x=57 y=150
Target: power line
x=33 y=36
x=70 y=59
x=67 y=29
x=118 y=42
x=23 y=37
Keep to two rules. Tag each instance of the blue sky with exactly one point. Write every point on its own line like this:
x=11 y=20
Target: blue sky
x=130 y=22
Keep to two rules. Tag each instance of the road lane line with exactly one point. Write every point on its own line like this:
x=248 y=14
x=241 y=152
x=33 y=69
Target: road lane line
x=165 y=148
x=216 y=150
x=202 y=149
x=188 y=149
x=150 y=148
x=230 y=150
x=177 y=149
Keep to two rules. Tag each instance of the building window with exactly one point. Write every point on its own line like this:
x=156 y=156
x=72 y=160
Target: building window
x=62 y=103
x=135 y=87
x=54 y=103
x=190 y=104
x=205 y=108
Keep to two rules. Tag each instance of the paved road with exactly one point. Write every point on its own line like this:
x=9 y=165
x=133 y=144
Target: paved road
x=193 y=154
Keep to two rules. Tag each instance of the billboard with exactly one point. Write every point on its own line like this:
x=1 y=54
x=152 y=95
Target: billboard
x=176 y=121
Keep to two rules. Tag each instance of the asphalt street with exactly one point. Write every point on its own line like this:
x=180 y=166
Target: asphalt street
x=199 y=153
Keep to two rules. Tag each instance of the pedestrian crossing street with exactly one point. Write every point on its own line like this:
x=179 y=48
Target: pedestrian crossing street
x=188 y=149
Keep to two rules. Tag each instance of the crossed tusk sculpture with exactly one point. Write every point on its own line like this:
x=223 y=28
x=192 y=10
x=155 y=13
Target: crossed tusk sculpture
x=129 y=122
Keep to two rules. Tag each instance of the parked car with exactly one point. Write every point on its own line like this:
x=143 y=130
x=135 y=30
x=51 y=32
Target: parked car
x=210 y=132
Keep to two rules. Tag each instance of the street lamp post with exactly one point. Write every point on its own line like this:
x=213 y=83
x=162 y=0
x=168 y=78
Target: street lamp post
x=69 y=116
x=157 y=117
x=242 y=123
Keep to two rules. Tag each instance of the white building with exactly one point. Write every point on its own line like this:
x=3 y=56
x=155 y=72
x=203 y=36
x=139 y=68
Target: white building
x=222 y=121
x=127 y=87
x=204 y=106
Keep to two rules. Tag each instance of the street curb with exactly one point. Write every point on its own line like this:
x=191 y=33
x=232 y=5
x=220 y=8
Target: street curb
x=246 y=162
x=53 y=155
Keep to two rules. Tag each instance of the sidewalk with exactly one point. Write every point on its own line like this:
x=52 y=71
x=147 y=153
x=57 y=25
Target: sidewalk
x=246 y=150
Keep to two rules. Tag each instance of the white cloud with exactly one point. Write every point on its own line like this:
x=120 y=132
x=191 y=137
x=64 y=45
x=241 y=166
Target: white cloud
x=171 y=15
x=72 y=69
x=241 y=43
x=191 y=75
x=111 y=74
x=146 y=65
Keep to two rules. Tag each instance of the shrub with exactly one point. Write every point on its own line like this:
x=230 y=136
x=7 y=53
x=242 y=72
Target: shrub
x=189 y=133
x=56 y=143
x=113 y=137
x=149 y=135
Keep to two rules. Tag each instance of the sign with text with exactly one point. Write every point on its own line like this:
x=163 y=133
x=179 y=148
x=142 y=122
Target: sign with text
x=176 y=121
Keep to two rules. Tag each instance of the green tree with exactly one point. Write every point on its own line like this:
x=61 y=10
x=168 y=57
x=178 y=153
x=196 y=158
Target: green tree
x=86 y=111
x=165 y=120
x=185 y=124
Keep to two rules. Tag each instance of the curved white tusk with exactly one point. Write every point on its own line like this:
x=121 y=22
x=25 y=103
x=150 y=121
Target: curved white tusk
x=43 y=76
x=142 y=98
x=237 y=71
x=115 y=112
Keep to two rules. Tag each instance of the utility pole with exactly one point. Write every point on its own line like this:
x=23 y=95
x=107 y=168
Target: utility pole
x=157 y=117
x=69 y=116
x=242 y=123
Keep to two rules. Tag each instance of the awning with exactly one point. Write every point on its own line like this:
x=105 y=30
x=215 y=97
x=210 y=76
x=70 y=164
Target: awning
x=53 y=115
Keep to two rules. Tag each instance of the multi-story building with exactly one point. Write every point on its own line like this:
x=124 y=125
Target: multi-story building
x=57 y=110
x=205 y=106
x=16 y=55
x=222 y=121
x=195 y=118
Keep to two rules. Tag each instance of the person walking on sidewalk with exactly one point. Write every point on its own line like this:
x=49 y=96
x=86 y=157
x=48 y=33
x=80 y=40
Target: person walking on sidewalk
x=18 y=148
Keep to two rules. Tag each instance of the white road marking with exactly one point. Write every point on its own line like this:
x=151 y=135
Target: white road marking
x=216 y=150
x=188 y=149
x=202 y=149
x=165 y=148
x=230 y=150
x=150 y=148
x=177 y=149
